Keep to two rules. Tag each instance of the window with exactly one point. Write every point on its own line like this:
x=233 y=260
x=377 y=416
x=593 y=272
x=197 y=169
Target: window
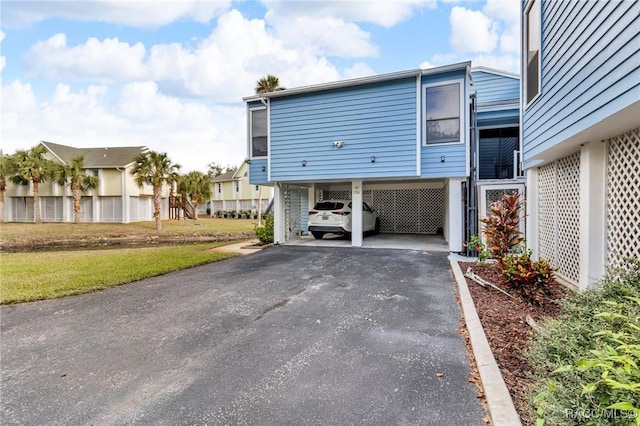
x=442 y=112
x=237 y=186
x=532 y=41
x=497 y=153
x=219 y=188
x=259 y=133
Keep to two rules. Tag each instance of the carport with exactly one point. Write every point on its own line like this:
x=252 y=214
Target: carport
x=420 y=207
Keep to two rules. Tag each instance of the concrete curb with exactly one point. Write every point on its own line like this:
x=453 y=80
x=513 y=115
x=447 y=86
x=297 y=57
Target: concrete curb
x=501 y=408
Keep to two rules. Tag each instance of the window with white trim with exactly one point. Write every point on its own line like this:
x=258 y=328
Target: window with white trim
x=443 y=113
x=532 y=39
x=259 y=146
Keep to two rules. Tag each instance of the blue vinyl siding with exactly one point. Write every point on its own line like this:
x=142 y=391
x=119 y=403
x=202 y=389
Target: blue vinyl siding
x=590 y=69
x=498 y=98
x=455 y=164
x=494 y=88
x=256 y=175
x=373 y=120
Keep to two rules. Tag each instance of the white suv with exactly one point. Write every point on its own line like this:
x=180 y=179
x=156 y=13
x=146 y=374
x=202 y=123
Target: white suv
x=334 y=216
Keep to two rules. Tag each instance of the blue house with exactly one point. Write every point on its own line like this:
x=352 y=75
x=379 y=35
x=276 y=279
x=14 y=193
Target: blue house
x=403 y=142
x=580 y=134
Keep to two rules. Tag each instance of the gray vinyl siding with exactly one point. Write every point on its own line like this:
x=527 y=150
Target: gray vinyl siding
x=373 y=120
x=590 y=69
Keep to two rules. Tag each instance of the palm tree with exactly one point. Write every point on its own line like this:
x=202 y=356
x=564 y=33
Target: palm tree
x=155 y=169
x=5 y=172
x=197 y=186
x=75 y=176
x=270 y=83
x=32 y=166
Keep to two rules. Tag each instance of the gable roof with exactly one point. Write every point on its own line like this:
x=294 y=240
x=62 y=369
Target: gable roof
x=228 y=175
x=108 y=157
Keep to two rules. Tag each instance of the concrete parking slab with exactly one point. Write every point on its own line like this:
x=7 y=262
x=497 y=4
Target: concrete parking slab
x=288 y=335
x=389 y=241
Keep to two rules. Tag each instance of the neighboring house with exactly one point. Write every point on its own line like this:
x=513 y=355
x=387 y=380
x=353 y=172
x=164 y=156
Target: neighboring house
x=232 y=192
x=580 y=134
x=116 y=199
x=404 y=142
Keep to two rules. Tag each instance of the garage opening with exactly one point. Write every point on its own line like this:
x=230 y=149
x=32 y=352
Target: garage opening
x=406 y=211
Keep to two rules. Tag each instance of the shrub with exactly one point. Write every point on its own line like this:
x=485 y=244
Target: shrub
x=563 y=355
x=264 y=232
x=532 y=279
x=476 y=245
x=501 y=227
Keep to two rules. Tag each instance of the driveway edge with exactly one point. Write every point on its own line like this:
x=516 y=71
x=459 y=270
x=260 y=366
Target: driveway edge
x=501 y=408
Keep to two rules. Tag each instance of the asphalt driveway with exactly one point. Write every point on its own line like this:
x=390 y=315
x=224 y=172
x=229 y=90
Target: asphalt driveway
x=289 y=335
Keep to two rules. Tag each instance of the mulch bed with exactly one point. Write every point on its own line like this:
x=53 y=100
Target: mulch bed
x=504 y=323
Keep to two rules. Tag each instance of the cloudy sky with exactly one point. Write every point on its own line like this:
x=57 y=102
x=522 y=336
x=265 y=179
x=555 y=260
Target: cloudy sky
x=171 y=74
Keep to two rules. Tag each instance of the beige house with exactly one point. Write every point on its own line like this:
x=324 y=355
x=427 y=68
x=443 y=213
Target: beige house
x=116 y=199
x=232 y=193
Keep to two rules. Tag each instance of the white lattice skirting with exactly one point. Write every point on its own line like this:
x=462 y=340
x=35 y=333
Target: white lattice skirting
x=623 y=197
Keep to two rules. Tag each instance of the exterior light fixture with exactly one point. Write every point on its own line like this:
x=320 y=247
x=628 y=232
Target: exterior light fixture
x=248 y=161
x=373 y=158
x=264 y=168
x=442 y=159
x=304 y=163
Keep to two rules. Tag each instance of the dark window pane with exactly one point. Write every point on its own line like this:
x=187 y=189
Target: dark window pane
x=443 y=101
x=328 y=205
x=441 y=131
x=259 y=133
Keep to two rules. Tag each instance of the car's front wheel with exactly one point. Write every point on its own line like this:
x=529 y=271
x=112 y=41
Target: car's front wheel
x=376 y=230
x=317 y=235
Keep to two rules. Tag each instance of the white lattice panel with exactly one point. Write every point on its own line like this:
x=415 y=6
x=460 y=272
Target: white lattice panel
x=494 y=195
x=623 y=197
x=415 y=211
x=559 y=215
x=569 y=217
x=547 y=212
x=292 y=212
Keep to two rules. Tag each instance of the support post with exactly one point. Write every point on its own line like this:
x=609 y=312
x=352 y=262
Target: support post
x=278 y=214
x=356 y=213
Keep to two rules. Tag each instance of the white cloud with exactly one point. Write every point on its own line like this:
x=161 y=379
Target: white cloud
x=426 y=65
x=193 y=134
x=107 y=60
x=472 y=31
x=383 y=13
x=132 y=13
x=224 y=66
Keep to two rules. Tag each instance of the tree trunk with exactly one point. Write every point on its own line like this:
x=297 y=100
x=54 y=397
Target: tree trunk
x=36 y=203
x=156 y=206
x=75 y=191
x=195 y=209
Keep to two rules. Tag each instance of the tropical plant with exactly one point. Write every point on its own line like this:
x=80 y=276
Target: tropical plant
x=577 y=379
x=270 y=83
x=532 y=279
x=155 y=169
x=501 y=227
x=78 y=181
x=32 y=166
x=197 y=186
x=264 y=232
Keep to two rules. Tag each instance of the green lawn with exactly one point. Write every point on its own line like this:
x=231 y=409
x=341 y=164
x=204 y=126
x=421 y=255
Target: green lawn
x=206 y=225
x=27 y=277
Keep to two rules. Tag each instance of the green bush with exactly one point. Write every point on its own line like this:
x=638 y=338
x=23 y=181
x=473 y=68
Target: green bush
x=564 y=356
x=532 y=279
x=264 y=232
